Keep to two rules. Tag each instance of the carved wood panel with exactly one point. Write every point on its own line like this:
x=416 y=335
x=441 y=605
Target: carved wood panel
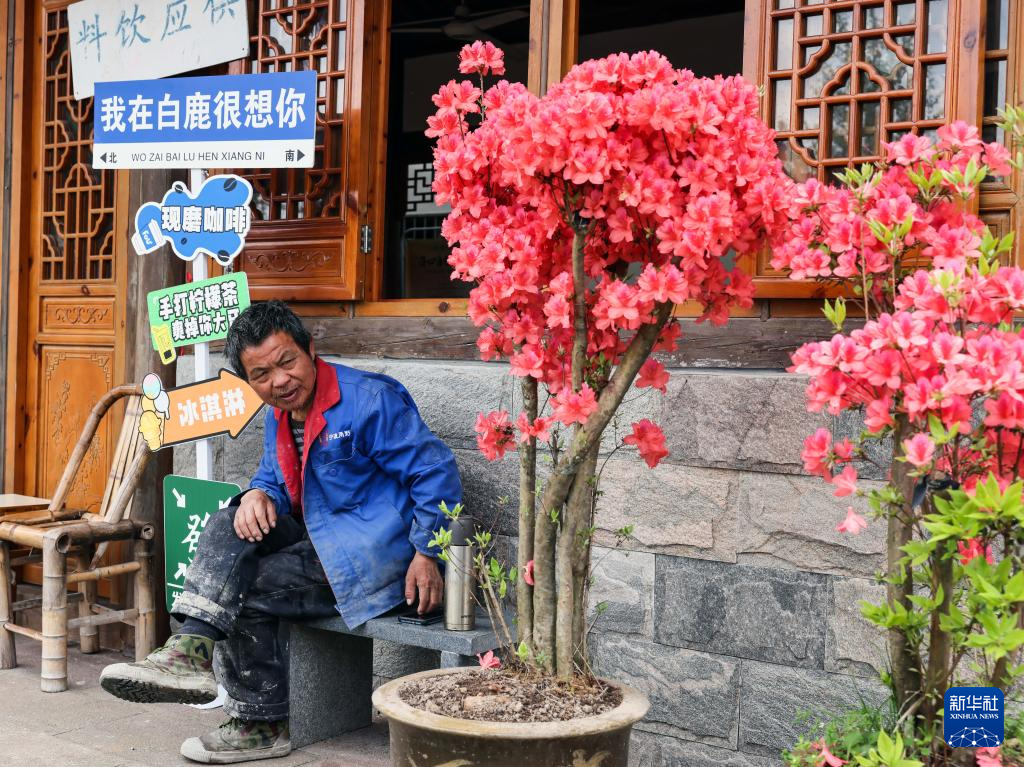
x=78 y=315
x=72 y=381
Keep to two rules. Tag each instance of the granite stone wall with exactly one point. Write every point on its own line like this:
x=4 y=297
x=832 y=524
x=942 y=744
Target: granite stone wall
x=734 y=607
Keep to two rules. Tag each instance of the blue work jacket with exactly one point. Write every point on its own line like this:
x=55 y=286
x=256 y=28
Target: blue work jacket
x=369 y=484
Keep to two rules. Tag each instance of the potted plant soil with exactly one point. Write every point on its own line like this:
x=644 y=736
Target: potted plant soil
x=584 y=217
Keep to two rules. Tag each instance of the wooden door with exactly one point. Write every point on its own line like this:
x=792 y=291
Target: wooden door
x=73 y=316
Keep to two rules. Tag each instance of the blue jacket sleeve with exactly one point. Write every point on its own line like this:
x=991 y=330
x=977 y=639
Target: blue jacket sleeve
x=265 y=478
x=400 y=443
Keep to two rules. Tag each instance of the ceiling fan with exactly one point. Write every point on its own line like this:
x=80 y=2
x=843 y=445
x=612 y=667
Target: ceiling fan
x=464 y=25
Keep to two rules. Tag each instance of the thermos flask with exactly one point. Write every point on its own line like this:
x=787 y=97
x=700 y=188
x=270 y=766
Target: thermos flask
x=459 y=578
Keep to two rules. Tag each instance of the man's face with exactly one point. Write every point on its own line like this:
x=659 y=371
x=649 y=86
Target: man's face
x=282 y=373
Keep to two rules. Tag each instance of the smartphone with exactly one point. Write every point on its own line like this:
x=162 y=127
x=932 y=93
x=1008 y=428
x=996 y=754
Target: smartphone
x=421 y=620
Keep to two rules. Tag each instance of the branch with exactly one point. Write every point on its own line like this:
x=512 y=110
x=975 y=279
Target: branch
x=557 y=488
x=579 y=302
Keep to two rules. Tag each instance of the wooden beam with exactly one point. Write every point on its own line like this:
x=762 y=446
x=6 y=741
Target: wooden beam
x=743 y=343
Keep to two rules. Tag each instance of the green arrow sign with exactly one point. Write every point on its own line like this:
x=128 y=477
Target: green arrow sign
x=196 y=312
x=188 y=506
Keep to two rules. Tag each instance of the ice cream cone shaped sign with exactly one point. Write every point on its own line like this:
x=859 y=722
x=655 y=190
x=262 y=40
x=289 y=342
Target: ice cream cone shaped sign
x=222 y=405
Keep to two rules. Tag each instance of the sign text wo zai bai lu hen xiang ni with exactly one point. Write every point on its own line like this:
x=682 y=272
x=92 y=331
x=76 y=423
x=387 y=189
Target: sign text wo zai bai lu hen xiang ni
x=229 y=121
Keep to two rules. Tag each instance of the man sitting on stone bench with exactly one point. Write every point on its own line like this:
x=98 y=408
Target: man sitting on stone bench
x=336 y=520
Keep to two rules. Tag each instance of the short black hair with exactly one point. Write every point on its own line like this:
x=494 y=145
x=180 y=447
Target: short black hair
x=257 y=323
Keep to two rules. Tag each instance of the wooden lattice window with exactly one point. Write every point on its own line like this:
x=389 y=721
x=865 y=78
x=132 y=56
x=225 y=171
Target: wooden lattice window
x=304 y=242
x=290 y=37
x=996 y=71
x=845 y=76
x=78 y=201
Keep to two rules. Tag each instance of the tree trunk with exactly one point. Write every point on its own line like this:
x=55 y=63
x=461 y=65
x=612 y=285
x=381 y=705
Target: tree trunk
x=581 y=570
x=577 y=513
x=527 y=516
x=940 y=652
x=906 y=674
x=1000 y=674
x=544 y=595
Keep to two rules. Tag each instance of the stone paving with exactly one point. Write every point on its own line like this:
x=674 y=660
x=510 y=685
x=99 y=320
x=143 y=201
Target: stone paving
x=86 y=727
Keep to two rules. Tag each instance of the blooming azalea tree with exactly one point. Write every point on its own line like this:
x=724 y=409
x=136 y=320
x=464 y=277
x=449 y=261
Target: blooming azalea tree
x=937 y=367
x=583 y=218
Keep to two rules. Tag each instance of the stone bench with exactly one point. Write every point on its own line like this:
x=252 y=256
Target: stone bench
x=331 y=668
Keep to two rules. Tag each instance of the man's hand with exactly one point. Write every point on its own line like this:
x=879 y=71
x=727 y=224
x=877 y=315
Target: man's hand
x=424 y=577
x=255 y=516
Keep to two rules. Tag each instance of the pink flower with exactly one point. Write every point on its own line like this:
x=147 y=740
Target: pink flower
x=845 y=483
x=815 y=452
x=958 y=134
x=828 y=758
x=488 y=660
x=919 y=450
x=575 y=407
x=853 y=524
x=831 y=759
x=908 y=150
x=972 y=549
x=653 y=374
x=988 y=756
x=649 y=440
x=527 y=363
x=528 y=573
x=482 y=57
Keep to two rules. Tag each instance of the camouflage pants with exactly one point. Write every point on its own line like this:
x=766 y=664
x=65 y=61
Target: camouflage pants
x=245 y=589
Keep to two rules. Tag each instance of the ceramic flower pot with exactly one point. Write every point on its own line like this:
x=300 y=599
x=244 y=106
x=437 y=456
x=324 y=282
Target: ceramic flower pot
x=423 y=739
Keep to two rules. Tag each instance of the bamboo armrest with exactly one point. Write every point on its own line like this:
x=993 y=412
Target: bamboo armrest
x=40 y=517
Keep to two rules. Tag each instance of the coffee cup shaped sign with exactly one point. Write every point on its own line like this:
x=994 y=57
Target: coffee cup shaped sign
x=222 y=405
x=214 y=221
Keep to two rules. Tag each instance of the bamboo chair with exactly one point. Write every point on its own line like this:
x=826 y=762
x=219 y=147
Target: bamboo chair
x=61 y=534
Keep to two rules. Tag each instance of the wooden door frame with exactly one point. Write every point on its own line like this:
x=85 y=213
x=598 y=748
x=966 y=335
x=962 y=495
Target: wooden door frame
x=7 y=85
x=16 y=218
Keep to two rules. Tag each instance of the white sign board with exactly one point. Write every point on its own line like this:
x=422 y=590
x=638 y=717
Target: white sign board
x=148 y=39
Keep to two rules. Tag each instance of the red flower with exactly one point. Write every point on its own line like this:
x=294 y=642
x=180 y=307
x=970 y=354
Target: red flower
x=575 y=407
x=494 y=435
x=528 y=573
x=973 y=549
x=653 y=374
x=649 y=440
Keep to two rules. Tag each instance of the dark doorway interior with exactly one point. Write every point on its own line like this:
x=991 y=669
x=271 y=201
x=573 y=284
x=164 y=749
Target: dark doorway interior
x=426 y=37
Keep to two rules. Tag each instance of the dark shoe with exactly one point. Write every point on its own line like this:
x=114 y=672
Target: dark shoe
x=239 y=741
x=179 y=672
